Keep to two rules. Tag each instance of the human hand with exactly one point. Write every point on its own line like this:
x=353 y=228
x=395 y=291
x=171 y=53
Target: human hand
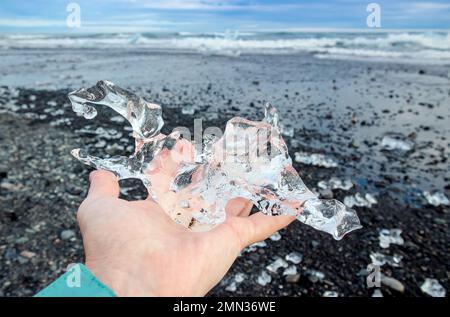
x=136 y=249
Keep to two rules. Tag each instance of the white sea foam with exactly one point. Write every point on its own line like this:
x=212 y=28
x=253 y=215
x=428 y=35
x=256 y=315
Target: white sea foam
x=407 y=46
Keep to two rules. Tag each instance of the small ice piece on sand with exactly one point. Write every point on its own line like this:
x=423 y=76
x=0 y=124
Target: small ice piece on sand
x=232 y=287
x=254 y=246
x=335 y=183
x=387 y=237
x=237 y=279
x=436 y=199
x=382 y=259
x=330 y=294
x=275 y=237
x=240 y=277
x=433 y=288
x=315 y=159
x=290 y=270
x=294 y=257
x=275 y=265
x=377 y=293
x=188 y=110
x=264 y=278
x=396 y=141
x=315 y=276
x=287 y=131
x=326 y=214
x=357 y=200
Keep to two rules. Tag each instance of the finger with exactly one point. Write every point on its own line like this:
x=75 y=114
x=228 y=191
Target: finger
x=239 y=207
x=259 y=227
x=103 y=184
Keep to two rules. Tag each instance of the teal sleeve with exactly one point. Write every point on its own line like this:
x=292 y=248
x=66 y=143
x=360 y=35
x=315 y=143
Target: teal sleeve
x=78 y=281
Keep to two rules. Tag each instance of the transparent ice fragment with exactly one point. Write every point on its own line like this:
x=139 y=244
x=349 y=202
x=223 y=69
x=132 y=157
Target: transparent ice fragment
x=290 y=270
x=275 y=237
x=264 y=278
x=433 y=288
x=315 y=276
x=287 y=131
x=397 y=141
x=315 y=159
x=335 y=183
x=188 y=110
x=253 y=247
x=235 y=281
x=193 y=185
x=387 y=237
x=240 y=277
x=358 y=200
x=436 y=199
x=382 y=259
x=145 y=117
x=329 y=215
x=232 y=287
x=294 y=257
x=330 y=294
x=275 y=265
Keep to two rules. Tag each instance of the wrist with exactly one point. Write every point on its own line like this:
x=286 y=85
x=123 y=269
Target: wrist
x=124 y=284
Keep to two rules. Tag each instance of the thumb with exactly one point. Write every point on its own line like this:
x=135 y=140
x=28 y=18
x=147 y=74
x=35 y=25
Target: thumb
x=103 y=184
x=258 y=226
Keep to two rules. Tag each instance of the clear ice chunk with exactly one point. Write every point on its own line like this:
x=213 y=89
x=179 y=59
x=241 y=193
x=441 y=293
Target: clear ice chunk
x=436 y=198
x=361 y=201
x=275 y=265
x=290 y=270
x=240 y=277
x=237 y=279
x=275 y=237
x=189 y=110
x=433 y=288
x=253 y=247
x=397 y=141
x=232 y=287
x=294 y=257
x=387 y=237
x=194 y=185
x=335 y=183
x=315 y=159
x=287 y=131
x=315 y=276
x=264 y=278
x=381 y=259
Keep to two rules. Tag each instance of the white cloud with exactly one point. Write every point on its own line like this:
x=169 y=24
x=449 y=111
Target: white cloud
x=430 y=6
x=214 y=5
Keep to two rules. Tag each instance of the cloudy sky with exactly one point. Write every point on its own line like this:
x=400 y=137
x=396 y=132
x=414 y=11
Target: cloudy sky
x=218 y=15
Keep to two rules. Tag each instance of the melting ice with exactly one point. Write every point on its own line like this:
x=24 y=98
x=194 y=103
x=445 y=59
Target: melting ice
x=388 y=237
x=382 y=259
x=432 y=287
x=397 y=141
x=436 y=198
x=250 y=160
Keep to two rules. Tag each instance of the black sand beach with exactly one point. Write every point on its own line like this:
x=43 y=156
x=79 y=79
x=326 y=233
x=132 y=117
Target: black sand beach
x=340 y=108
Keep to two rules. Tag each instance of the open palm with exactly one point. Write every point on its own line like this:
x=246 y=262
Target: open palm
x=137 y=250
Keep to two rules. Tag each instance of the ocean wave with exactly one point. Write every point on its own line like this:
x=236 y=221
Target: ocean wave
x=427 y=46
